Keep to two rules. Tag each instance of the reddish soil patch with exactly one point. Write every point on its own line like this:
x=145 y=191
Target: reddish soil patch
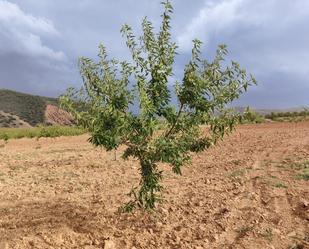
x=55 y=115
x=244 y=193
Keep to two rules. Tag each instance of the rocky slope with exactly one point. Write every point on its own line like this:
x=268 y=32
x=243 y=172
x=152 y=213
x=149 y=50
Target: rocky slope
x=23 y=110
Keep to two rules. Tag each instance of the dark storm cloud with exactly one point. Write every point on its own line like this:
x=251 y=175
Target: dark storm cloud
x=266 y=37
x=62 y=31
x=40 y=41
x=35 y=76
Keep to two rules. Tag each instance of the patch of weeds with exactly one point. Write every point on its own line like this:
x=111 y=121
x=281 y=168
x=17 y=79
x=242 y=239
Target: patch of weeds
x=48 y=179
x=268 y=234
x=54 y=151
x=236 y=162
x=274 y=177
x=282 y=166
x=2 y=177
x=38 y=147
x=303 y=244
x=4 y=137
x=303 y=176
x=294 y=165
x=237 y=173
x=274 y=182
x=79 y=189
x=85 y=184
x=280 y=185
x=265 y=163
x=300 y=166
x=243 y=231
x=127 y=208
x=70 y=174
x=306 y=237
x=93 y=165
x=18 y=157
x=297 y=246
x=15 y=167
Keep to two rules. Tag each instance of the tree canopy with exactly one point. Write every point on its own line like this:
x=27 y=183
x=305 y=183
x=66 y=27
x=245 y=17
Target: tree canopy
x=102 y=106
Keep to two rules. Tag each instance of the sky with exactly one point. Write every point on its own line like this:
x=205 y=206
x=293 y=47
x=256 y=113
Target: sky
x=41 y=41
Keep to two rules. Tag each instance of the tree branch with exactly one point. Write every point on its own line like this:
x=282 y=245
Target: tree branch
x=176 y=120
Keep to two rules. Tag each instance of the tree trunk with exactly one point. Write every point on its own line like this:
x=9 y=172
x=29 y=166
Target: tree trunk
x=149 y=185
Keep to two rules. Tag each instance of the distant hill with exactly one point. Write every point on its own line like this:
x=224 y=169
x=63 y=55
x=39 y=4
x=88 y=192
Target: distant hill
x=10 y=120
x=20 y=110
x=25 y=110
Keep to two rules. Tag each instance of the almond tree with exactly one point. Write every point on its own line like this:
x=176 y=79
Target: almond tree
x=111 y=87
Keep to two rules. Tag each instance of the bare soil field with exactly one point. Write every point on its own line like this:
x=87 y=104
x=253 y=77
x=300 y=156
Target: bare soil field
x=250 y=191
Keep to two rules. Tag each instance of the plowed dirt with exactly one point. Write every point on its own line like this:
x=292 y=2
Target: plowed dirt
x=250 y=191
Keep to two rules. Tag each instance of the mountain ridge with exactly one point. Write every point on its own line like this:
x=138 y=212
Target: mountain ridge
x=19 y=109
x=22 y=109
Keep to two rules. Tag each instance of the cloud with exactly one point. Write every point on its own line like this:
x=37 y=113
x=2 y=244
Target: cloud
x=270 y=26
x=40 y=41
x=41 y=77
x=267 y=37
x=21 y=33
x=213 y=16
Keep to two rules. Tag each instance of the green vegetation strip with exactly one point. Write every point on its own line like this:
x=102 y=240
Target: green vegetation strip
x=289 y=116
x=37 y=132
x=301 y=167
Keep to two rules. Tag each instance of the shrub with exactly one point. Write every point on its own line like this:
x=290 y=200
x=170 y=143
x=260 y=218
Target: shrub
x=250 y=116
x=4 y=136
